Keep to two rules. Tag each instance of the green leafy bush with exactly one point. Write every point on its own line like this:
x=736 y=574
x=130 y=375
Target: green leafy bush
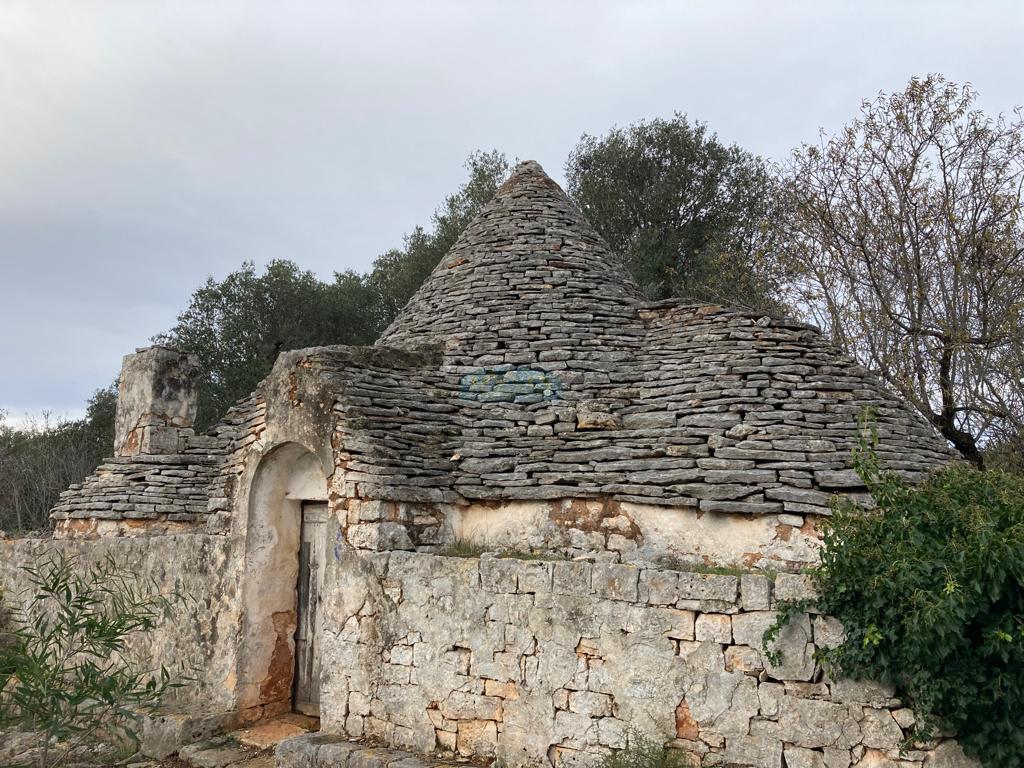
x=66 y=676
x=930 y=590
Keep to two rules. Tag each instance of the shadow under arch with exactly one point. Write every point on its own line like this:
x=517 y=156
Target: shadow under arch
x=286 y=477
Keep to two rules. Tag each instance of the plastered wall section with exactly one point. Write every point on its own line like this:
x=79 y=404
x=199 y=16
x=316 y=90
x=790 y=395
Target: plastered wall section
x=551 y=663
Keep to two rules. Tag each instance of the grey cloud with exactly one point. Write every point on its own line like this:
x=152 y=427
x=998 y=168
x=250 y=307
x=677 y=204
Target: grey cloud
x=146 y=145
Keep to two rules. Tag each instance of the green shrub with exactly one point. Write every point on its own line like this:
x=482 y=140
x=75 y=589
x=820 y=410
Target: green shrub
x=65 y=672
x=930 y=590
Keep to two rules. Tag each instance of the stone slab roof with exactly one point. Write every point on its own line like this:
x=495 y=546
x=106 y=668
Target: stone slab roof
x=528 y=366
x=556 y=379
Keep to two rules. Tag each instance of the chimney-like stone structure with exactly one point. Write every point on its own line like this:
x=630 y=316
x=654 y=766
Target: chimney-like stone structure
x=156 y=401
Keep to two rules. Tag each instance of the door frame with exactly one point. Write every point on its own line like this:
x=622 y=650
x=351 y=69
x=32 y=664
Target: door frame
x=286 y=476
x=308 y=607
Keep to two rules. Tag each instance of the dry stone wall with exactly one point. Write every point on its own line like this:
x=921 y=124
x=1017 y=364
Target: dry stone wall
x=537 y=662
x=196 y=639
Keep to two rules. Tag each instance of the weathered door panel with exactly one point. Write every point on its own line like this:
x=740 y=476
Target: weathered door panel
x=312 y=566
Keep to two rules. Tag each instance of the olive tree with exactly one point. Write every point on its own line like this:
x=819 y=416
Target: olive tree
x=687 y=212
x=906 y=232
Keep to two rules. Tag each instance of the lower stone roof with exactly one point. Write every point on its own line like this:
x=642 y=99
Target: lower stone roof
x=718 y=409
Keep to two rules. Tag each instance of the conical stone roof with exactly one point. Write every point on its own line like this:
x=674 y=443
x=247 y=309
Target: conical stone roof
x=529 y=273
x=528 y=366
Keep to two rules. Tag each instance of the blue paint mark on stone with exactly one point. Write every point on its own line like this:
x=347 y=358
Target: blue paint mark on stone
x=338 y=540
x=505 y=384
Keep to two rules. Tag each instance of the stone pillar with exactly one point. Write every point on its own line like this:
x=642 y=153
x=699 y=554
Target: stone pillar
x=156 y=401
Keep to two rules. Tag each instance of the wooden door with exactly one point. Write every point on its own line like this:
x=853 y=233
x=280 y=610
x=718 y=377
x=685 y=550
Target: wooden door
x=312 y=565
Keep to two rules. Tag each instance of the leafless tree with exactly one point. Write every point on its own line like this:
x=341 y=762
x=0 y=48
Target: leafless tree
x=907 y=234
x=38 y=460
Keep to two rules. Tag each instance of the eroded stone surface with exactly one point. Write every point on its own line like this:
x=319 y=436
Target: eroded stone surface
x=524 y=661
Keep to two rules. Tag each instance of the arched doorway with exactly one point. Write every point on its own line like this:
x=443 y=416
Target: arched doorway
x=285 y=557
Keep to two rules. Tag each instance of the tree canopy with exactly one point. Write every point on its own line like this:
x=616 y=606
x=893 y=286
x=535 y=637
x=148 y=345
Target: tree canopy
x=687 y=212
x=398 y=273
x=901 y=236
x=237 y=326
x=41 y=458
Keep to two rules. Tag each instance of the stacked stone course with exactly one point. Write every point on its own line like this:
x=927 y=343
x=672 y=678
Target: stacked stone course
x=537 y=661
x=528 y=367
x=152 y=494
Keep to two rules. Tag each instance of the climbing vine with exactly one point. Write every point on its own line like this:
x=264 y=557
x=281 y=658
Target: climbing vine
x=930 y=590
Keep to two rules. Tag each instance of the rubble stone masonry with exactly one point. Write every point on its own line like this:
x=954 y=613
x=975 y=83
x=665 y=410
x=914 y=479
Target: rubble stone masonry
x=553 y=662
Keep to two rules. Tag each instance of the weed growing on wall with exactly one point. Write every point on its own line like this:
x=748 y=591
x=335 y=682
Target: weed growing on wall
x=930 y=590
x=643 y=752
x=66 y=677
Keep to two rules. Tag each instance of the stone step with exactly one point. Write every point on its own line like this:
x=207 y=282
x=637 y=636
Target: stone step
x=319 y=750
x=219 y=752
x=250 y=747
x=267 y=734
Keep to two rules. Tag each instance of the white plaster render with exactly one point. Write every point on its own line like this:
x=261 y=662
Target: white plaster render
x=626 y=531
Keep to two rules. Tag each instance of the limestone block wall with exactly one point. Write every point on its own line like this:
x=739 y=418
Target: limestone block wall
x=199 y=632
x=552 y=662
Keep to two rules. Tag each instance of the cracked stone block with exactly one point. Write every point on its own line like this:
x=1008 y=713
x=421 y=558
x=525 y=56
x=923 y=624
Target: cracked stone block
x=162 y=735
x=590 y=704
x=836 y=758
x=794 y=586
x=658 y=587
x=501 y=690
x=679 y=623
x=713 y=627
x=708 y=586
x=477 y=737
x=379 y=536
x=879 y=729
x=815 y=724
x=800 y=757
x=793 y=643
x=574 y=730
x=499 y=575
x=401 y=654
x=571 y=578
x=616 y=582
x=755 y=592
x=446 y=739
x=769 y=695
x=868 y=692
x=534 y=577
x=467 y=706
x=743 y=658
x=828 y=632
x=904 y=718
x=764 y=752
x=949 y=754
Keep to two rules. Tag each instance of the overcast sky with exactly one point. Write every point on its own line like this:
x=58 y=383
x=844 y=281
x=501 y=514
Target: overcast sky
x=147 y=145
